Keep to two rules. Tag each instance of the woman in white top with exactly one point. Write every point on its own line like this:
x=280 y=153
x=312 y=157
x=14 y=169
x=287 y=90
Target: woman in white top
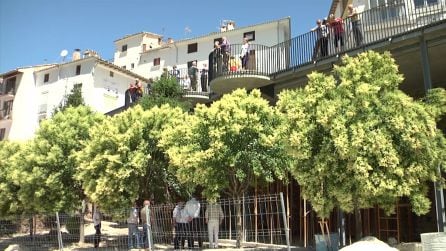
x=245 y=53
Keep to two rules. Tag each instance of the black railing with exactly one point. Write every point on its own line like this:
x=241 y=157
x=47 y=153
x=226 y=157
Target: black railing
x=371 y=26
x=192 y=82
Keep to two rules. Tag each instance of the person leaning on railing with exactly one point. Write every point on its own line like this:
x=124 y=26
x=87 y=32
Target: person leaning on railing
x=356 y=24
x=321 y=45
x=226 y=51
x=337 y=27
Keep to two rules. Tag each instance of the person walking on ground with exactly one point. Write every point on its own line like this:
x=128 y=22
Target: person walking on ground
x=192 y=209
x=97 y=226
x=146 y=220
x=213 y=217
x=132 y=223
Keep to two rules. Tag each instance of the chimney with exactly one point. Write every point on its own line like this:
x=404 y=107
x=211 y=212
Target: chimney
x=76 y=54
x=230 y=26
x=223 y=28
x=170 y=40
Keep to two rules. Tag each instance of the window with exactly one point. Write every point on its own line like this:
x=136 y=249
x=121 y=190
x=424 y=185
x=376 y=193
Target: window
x=9 y=86
x=2 y=133
x=385 y=9
x=422 y=3
x=78 y=69
x=189 y=64
x=132 y=66
x=217 y=39
x=7 y=107
x=124 y=67
x=144 y=47
x=46 y=78
x=124 y=48
x=112 y=74
x=156 y=61
x=251 y=36
x=192 y=48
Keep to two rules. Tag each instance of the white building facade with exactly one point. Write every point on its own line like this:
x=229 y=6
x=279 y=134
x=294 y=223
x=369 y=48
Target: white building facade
x=37 y=91
x=147 y=55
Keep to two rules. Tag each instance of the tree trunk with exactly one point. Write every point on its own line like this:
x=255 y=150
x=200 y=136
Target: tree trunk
x=358 y=223
x=239 y=222
x=81 y=223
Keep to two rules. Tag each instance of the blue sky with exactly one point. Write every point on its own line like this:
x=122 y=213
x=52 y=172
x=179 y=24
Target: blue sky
x=36 y=31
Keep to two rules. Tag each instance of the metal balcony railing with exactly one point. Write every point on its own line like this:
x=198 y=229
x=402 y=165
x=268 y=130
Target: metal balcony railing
x=192 y=83
x=372 y=26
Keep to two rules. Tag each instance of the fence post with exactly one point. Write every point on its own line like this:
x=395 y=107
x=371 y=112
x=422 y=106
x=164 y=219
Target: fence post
x=59 y=234
x=287 y=230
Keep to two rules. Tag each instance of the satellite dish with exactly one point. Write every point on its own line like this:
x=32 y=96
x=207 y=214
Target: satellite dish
x=63 y=53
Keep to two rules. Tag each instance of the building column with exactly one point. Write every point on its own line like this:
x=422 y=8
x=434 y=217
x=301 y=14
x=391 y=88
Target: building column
x=439 y=197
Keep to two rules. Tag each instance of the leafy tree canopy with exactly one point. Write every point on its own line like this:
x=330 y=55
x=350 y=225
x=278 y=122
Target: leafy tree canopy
x=225 y=146
x=165 y=91
x=46 y=166
x=360 y=141
x=8 y=179
x=122 y=161
x=73 y=99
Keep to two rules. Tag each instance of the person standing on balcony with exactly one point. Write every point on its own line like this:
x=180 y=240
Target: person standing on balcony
x=139 y=90
x=204 y=78
x=175 y=73
x=322 y=39
x=216 y=59
x=244 y=55
x=193 y=75
x=226 y=51
x=337 y=27
x=356 y=24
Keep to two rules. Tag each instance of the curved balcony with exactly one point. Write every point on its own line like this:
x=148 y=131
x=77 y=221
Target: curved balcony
x=237 y=68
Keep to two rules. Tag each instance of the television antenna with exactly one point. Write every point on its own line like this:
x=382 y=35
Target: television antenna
x=63 y=54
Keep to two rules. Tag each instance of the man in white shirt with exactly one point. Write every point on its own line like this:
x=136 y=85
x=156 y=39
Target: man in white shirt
x=193 y=211
x=180 y=220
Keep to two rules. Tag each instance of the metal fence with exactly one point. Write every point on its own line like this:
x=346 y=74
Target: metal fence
x=262 y=219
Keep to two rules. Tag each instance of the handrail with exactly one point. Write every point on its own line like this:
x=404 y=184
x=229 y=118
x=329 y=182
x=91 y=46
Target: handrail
x=372 y=26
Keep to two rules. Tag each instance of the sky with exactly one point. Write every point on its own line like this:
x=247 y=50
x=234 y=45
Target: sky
x=34 y=32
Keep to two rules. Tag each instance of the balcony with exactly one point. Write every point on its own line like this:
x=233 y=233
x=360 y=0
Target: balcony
x=239 y=67
x=375 y=28
x=195 y=88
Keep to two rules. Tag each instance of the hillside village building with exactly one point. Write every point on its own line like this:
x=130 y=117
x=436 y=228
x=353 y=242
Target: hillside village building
x=28 y=95
x=414 y=31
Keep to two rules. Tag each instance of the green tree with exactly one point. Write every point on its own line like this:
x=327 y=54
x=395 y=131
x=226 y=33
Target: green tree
x=122 y=162
x=73 y=99
x=226 y=146
x=359 y=141
x=165 y=91
x=48 y=164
